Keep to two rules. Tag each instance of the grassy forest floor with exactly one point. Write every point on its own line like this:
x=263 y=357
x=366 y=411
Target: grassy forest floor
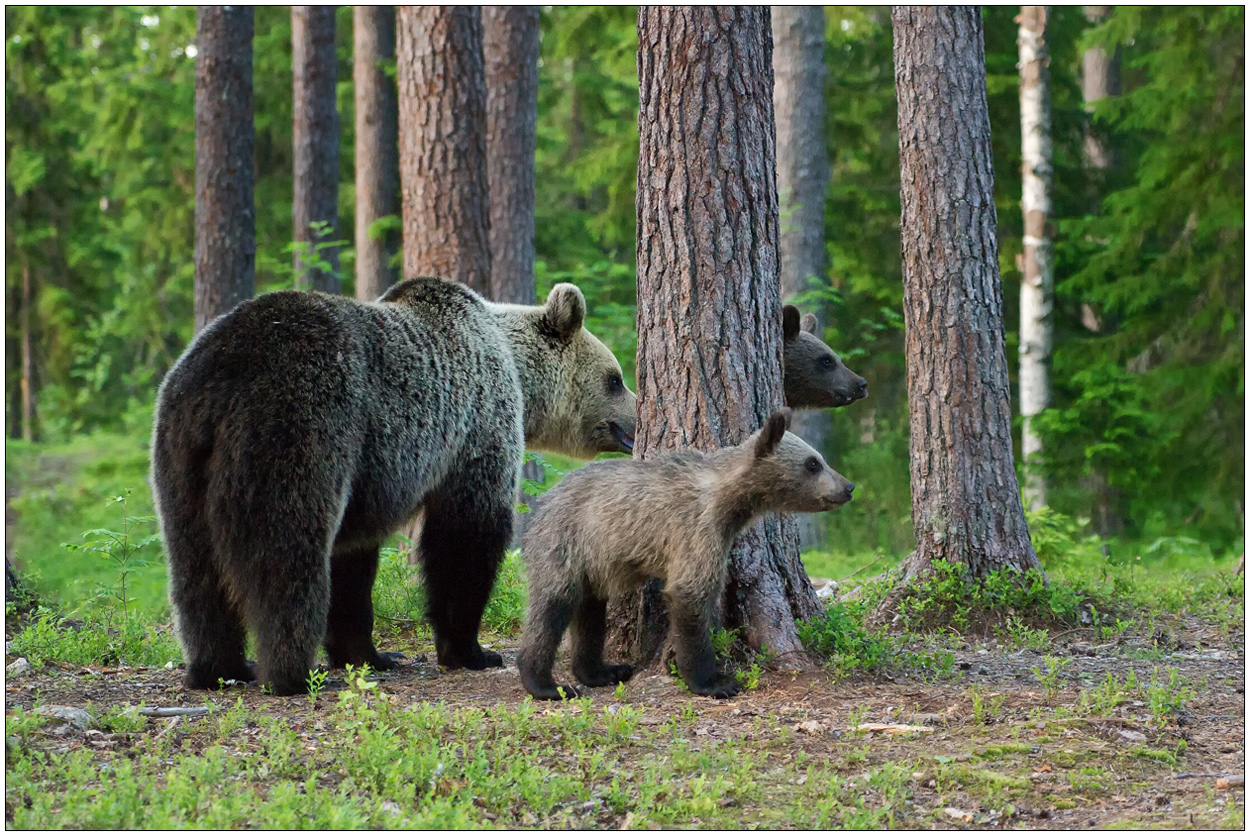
x=1113 y=697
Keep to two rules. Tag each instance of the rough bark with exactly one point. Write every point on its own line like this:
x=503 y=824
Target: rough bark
x=1100 y=78
x=510 y=50
x=225 y=211
x=966 y=505
x=316 y=144
x=377 y=147
x=709 y=301
x=442 y=144
x=1037 y=287
x=802 y=175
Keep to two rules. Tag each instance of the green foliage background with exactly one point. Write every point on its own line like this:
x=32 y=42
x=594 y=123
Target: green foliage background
x=100 y=171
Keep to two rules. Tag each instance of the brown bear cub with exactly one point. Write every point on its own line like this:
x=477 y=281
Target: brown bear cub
x=815 y=377
x=610 y=526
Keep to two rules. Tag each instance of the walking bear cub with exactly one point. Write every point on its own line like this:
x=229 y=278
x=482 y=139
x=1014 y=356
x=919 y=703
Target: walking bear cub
x=610 y=526
x=300 y=430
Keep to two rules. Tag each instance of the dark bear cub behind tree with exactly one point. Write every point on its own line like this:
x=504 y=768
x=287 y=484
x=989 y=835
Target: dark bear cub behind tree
x=609 y=527
x=813 y=375
x=300 y=430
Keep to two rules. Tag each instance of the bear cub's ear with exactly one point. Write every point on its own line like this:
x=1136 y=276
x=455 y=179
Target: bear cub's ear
x=773 y=432
x=809 y=323
x=790 y=323
x=565 y=310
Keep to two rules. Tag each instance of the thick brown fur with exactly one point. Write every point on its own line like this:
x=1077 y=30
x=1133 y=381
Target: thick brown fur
x=814 y=376
x=300 y=430
x=611 y=526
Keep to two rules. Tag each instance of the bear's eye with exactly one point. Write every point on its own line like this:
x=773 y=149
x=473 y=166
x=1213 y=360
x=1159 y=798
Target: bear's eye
x=826 y=361
x=813 y=465
x=614 y=384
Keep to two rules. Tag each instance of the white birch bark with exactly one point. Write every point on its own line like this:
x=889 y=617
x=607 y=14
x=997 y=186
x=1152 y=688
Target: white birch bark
x=1037 y=288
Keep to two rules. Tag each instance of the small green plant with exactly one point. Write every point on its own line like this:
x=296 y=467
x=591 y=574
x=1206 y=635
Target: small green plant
x=749 y=678
x=723 y=642
x=119 y=718
x=316 y=684
x=1166 y=696
x=1048 y=675
x=119 y=548
x=985 y=707
x=619 y=693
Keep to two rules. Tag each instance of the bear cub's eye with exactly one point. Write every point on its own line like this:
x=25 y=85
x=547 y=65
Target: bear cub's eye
x=826 y=361
x=614 y=384
x=813 y=465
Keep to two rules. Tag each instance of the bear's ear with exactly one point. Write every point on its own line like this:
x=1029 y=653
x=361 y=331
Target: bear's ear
x=565 y=310
x=772 y=433
x=789 y=323
x=809 y=323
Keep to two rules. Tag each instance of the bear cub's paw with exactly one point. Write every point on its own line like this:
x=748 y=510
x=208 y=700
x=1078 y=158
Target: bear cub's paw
x=603 y=675
x=558 y=692
x=477 y=660
x=722 y=687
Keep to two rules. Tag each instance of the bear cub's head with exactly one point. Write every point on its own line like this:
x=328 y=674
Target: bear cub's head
x=582 y=406
x=790 y=473
x=815 y=377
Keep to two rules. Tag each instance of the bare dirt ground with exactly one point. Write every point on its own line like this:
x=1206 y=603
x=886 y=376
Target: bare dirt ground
x=999 y=748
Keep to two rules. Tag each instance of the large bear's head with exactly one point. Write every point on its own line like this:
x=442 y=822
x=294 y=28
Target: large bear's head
x=576 y=400
x=814 y=377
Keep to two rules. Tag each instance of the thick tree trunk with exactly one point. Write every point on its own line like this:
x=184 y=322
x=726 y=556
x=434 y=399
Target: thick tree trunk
x=709 y=301
x=225 y=211
x=510 y=52
x=377 y=147
x=965 y=499
x=316 y=145
x=442 y=144
x=1100 y=78
x=510 y=49
x=802 y=175
x=1037 y=288
x=26 y=317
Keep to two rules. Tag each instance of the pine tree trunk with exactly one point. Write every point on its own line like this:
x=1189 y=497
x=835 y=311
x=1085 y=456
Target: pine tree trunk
x=1037 y=287
x=966 y=505
x=225 y=211
x=1100 y=78
x=377 y=147
x=26 y=316
x=316 y=144
x=709 y=301
x=442 y=144
x=802 y=175
x=510 y=49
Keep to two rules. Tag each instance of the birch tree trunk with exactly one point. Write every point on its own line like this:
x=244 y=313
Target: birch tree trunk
x=510 y=49
x=709 y=301
x=802 y=175
x=442 y=144
x=377 y=147
x=1037 y=288
x=225 y=210
x=316 y=145
x=965 y=499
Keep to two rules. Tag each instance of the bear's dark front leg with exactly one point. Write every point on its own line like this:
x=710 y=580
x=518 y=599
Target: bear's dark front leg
x=349 y=629
x=589 y=630
x=690 y=626
x=463 y=538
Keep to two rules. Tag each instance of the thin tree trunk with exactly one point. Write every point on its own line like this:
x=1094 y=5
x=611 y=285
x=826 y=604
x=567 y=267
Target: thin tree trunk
x=709 y=301
x=316 y=145
x=966 y=505
x=30 y=397
x=1100 y=78
x=802 y=176
x=225 y=211
x=1037 y=287
x=377 y=147
x=510 y=49
x=442 y=144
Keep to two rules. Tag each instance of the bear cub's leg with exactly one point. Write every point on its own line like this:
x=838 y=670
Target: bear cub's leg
x=690 y=626
x=349 y=633
x=549 y=616
x=589 y=631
